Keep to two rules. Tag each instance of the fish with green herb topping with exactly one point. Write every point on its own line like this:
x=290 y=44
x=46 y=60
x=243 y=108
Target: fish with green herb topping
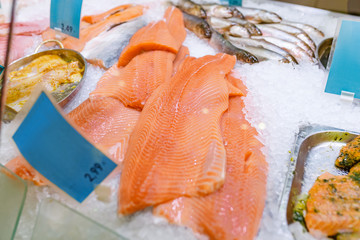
x=333 y=206
x=349 y=154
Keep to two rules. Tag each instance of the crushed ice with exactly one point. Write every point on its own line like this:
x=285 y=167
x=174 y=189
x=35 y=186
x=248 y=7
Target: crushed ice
x=281 y=97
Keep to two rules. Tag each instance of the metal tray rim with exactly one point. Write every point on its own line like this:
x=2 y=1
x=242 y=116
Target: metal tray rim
x=305 y=132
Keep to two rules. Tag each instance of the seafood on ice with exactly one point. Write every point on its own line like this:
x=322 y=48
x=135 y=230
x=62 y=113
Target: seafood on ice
x=176 y=125
x=245 y=31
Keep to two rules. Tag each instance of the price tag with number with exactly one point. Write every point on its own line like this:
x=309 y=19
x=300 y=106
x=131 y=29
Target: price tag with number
x=235 y=2
x=344 y=75
x=60 y=153
x=65 y=16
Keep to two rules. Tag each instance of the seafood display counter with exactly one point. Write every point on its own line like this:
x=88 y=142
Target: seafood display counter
x=196 y=120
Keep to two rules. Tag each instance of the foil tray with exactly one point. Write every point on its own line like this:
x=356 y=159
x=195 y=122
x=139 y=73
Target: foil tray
x=315 y=151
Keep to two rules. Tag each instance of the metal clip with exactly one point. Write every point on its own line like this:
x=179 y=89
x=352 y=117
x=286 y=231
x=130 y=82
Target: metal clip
x=347 y=96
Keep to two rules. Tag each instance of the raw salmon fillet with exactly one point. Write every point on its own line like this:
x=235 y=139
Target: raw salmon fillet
x=19 y=44
x=25 y=28
x=176 y=148
x=24 y=170
x=180 y=57
x=99 y=17
x=107 y=123
x=103 y=118
x=235 y=210
x=333 y=205
x=134 y=83
x=94 y=30
x=165 y=35
x=236 y=82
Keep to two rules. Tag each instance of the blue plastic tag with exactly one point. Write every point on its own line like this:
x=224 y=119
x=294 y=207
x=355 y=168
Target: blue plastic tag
x=344 y=75
x=235 y=2
x=65 y=16
x=1 y=69
x=55 y=149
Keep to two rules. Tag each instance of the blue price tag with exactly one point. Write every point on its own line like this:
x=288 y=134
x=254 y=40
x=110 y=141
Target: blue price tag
x=55 y=149
x=65 y=16
x=235 y=2
x=344 y=73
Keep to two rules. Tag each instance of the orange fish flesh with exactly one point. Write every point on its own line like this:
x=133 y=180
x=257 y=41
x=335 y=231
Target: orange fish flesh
x=176 y=148
x=235 y=210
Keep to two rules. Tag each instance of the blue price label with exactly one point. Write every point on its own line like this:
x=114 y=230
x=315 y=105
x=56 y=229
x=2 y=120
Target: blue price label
x=57 y=151
x=344 y=75
x=65 y=16
x=235 y=2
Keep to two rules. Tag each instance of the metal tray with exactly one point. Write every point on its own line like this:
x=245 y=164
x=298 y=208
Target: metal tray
x=61 y=97
x=315 y=151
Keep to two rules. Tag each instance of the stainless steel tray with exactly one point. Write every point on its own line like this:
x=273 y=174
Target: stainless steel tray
x=62 y=96
x=314 y=153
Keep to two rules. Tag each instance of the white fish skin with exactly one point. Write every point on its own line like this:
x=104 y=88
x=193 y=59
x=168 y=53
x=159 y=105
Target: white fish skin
x=222 y=11
x=254 y=31
x=216 y=22
x=310 y=30
x=106 y=48
x=268 y=31
x=298 y=32
x=239 y=31
x=226 y=26
x=260 y=43
x=255 y=15
x=264 y=54
x=296 y=51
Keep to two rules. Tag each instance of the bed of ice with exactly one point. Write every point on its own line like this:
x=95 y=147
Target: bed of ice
x=281 y=97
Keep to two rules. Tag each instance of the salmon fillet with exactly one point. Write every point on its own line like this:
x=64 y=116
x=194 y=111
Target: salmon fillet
x=165 y=35
x=107 y=123
x=94 y=30
x=333 y=205
x=176 y=148
x=103 y=118
x=134 y=83
x=236 y=82
x=180 y=57
x=24 y=170
x=99 y=17
x=235 y=210
x=25 y=28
